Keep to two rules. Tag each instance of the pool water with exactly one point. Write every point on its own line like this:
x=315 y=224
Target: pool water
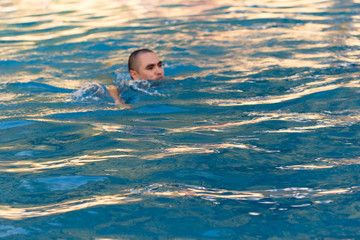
x=254 y=135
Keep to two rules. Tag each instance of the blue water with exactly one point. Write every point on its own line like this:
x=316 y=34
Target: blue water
x=254 y=136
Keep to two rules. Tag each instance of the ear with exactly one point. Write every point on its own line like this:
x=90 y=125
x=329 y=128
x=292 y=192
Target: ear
x=133 y=74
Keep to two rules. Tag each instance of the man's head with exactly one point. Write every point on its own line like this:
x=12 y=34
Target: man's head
x=144 y=64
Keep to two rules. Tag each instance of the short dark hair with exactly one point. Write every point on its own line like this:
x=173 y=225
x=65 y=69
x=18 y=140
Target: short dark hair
x=132 y=62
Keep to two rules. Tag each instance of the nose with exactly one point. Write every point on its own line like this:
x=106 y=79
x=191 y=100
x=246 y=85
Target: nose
x=158 y=70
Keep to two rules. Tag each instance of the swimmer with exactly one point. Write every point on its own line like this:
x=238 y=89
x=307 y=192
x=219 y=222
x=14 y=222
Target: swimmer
x=143 y=64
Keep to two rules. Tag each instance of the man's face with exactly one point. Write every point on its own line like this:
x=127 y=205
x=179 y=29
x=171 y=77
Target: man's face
x=149 y=67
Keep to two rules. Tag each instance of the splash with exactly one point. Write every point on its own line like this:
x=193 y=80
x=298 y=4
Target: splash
x=90 y=92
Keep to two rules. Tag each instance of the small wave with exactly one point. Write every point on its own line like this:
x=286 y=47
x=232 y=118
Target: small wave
x=15 y=213
x=297 y=93
x=40 y=166
x=122 y=77
x=321 y=120
x=176 y=190
x=200 y=149
x=322 y=163
x=35 y=87
x=90 y=92
x=13 y=124
x=6 y=231
x=149 y=87
x=129 y=196
x=128 y=90
x=145 y=87
x=58 y=183
x=35 y=166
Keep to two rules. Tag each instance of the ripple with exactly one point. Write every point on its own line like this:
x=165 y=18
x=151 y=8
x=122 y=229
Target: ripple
x=200 y=149
x=321 y=120
x=248 y=75
x=14 y=124
x=323 y=163
x=6 y=231
x=39 y=166
x=292 y=192
x=15 y=213
x=300 y=92
x=58 y=183
x=179 y=191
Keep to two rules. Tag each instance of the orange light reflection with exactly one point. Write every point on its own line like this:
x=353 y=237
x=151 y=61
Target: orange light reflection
x=168 y=190
x=324 y=164
x=199 y=149
x=33 y=166
x=281 y=98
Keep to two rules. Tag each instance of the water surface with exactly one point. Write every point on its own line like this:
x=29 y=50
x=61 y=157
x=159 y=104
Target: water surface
x=255 y=136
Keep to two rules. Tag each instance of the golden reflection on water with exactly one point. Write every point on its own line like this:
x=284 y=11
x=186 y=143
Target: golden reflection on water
x=15 y=213
x=83 y=16
x=86 y=15
x=79 y=18
x=219 y=127
x=282 y=98
x=324 y=164
x=36 y=166
x=39 y=166
x=109 y=127
x=74 y=21
x=44 y=112
x=321 y=121
x=292 y=192
x=132 y=195
x=199 y=149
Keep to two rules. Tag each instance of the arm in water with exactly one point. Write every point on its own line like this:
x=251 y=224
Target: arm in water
x=114 y=93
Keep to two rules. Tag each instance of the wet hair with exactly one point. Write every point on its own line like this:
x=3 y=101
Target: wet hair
x=133 y=63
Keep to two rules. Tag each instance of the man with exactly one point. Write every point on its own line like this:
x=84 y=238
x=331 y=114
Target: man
x=143 y=64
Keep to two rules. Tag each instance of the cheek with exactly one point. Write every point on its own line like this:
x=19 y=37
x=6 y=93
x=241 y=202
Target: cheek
x=146 y=73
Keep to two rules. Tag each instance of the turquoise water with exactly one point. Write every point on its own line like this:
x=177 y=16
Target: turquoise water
x=255 y=134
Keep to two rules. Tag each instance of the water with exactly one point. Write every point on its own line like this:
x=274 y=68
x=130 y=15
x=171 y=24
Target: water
x=255 y=136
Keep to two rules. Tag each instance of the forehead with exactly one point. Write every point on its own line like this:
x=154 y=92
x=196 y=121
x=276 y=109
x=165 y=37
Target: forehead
x=148 y=58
